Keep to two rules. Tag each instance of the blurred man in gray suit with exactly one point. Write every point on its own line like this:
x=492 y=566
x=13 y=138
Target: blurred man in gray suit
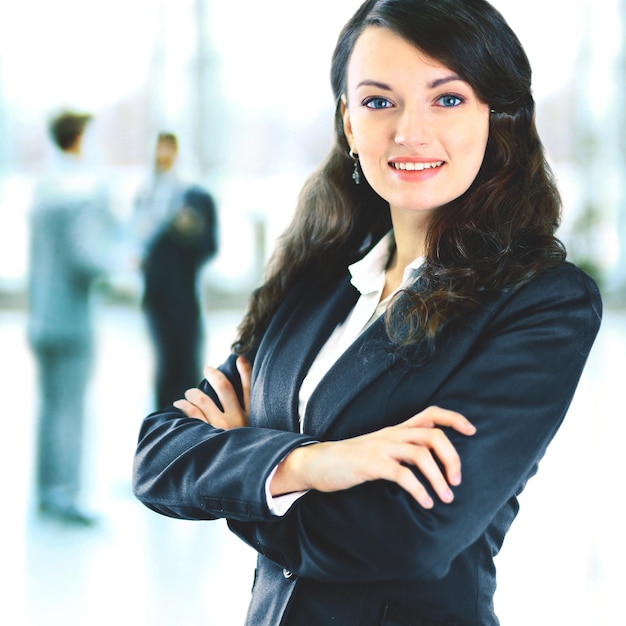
x=71 y=230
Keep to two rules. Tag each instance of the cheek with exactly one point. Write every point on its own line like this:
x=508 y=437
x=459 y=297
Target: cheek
x=373 y=164
x=473 y=146
x=370 y=134
x=359 y=134
x=373 y=148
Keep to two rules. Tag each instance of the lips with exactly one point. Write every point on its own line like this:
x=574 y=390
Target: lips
x=412 y=166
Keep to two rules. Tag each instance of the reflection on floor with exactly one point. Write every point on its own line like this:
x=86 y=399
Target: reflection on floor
x=561 y=563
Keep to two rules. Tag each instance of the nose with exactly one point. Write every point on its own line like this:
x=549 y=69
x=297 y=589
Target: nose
x=413 y=129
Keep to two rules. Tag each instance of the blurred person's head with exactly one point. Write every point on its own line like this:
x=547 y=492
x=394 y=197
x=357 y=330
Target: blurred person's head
x=67 y=129
x=165 y=152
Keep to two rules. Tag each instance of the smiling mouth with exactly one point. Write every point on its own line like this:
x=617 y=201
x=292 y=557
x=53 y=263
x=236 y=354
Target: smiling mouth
x=416 y=166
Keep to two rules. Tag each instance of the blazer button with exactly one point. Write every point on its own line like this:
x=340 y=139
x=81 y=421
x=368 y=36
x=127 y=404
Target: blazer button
x=287 y=573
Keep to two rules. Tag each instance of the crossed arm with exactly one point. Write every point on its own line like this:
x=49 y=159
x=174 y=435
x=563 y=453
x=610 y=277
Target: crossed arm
x=337 y=465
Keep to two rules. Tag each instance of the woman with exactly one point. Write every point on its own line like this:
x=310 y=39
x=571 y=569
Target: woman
x=413 y=350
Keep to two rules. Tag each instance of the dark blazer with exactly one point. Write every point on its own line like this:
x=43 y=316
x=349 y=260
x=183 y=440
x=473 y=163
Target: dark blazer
x=371 y=555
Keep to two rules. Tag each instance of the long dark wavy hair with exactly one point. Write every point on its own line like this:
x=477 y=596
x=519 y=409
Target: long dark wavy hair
x=498 y=235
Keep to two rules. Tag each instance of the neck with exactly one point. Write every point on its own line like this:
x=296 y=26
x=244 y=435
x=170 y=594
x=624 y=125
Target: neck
x=410 y=236
x=409 y=230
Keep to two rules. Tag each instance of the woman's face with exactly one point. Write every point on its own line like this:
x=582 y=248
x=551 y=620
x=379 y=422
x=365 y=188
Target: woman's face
x=419 y=130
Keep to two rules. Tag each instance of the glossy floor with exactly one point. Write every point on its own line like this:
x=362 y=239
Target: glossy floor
x=562 y=562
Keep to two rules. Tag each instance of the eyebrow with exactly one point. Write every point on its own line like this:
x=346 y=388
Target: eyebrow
x=442 y=81
x=431 y=85
x=373 y=83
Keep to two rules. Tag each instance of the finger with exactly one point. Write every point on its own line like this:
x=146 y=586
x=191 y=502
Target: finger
x=402 y=451
x=411 y=442
x=438 y=445
x=245 y=372
x=215 y=418
x=190 y=410
x=202 y=401
x=222 y=387
x=424 y=460
x=436 y=416
x=406 y=479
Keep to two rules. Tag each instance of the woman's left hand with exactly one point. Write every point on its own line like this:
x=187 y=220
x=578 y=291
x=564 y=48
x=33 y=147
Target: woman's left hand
x=200 y=406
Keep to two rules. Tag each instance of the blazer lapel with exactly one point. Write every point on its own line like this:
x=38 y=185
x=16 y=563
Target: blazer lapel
x=292 y=347
x=369 y=356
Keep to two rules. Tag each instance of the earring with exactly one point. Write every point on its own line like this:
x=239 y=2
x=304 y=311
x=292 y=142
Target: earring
x=356 y=175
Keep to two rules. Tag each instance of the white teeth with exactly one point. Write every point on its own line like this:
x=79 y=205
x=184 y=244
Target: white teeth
x=417 y=166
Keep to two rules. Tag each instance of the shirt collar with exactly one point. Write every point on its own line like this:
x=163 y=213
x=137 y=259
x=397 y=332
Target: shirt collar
x=368 y=274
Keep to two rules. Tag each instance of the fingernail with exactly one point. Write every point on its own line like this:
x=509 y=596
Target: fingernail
x=427 y=502
x=447 y=496
x=456 y=479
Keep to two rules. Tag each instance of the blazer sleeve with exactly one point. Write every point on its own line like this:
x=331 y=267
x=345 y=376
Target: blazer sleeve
x=515 y=384
x=187 y=469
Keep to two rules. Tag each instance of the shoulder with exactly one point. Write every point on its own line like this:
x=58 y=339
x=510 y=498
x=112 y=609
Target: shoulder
x=568 y=274
x=561 y=299
x=197 y=197
x=567 y=283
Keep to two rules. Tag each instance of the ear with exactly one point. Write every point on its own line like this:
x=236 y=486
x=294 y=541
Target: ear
x=347 y=124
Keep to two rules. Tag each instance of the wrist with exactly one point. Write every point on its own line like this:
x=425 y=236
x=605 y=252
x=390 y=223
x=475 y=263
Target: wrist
x=290 y=474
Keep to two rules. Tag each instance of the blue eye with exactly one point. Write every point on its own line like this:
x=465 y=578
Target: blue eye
x=448 y=100
x=376 y=103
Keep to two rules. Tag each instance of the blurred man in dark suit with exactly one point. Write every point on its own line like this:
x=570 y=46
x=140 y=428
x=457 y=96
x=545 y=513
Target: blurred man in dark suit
x=177 y=226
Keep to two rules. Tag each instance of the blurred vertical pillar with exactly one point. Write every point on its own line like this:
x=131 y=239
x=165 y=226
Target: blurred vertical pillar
x=184 y=88
x=199 y=82
x=203 y=94
x=156 y=92
x=617 y=279
x=259 y=224
x=599 y=160
x=585 y=153
x=5 y=143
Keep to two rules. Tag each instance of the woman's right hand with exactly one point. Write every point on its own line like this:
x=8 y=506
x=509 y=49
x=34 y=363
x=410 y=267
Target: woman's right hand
x=383 y=454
